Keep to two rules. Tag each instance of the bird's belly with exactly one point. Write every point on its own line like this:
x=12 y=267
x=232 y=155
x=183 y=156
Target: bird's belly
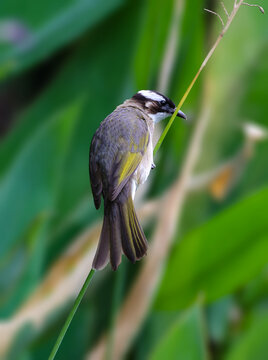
x=143 y=170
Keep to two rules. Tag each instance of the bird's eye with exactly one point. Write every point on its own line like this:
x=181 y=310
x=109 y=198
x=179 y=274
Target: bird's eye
x=162 y=102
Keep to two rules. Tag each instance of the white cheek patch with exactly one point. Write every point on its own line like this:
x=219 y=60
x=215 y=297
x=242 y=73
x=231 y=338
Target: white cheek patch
x=158 y=117
x=151 y=95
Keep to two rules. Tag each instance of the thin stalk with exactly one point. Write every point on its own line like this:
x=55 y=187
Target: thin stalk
x=204 y=63
x=71 y=315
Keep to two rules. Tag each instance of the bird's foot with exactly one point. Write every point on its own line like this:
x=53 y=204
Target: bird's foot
x=153 y=166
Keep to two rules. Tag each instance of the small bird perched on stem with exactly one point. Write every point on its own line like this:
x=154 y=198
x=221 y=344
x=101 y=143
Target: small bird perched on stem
x=120 y=159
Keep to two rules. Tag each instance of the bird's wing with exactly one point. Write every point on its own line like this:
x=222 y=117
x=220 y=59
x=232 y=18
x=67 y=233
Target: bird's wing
x=129 y=134
x=95 y=175
x=129 y=156
x=116 y=151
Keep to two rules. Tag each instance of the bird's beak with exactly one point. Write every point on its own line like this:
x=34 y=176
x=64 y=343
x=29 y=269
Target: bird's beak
x=181 y=115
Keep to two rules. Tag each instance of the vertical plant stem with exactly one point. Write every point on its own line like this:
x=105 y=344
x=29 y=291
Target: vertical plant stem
x=71 y=315
x=164 y=133
x=204 y=63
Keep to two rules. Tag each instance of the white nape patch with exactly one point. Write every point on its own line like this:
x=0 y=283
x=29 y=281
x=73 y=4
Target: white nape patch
x=151 y=95
x=159 y=116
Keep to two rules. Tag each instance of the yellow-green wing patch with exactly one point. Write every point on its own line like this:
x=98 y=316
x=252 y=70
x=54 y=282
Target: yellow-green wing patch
x=128 y=164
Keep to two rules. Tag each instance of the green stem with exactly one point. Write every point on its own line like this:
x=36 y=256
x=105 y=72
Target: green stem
x=204 y=63
x=164 y=133
x=71 y=315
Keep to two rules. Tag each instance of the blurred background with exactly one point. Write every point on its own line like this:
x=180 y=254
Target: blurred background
x=202 y=290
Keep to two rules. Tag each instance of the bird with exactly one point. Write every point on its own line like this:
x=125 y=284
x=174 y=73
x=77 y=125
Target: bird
x=120 y=159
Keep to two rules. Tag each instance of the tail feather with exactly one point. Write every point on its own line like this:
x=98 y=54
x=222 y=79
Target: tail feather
x=127 y=236
x=121 y=231
x=115 y=236
x=134 y=242
x=101 y=258
x=141 y=244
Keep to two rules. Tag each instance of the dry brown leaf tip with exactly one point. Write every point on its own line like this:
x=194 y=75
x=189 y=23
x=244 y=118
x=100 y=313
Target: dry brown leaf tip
x=220 y=186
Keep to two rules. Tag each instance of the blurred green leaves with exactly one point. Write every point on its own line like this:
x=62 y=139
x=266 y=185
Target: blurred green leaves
x=30 y=186
x=218 y=257
x=107 y=51
x=252 y=345
x=230 y=75
x=153 y=37
x=28 y=195
x=185 y=339
x=57 y=25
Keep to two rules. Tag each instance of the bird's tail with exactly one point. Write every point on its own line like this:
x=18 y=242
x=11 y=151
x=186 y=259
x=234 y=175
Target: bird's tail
x=121 y=232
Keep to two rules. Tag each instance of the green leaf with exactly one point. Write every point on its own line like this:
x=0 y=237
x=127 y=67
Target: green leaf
x=185 y=340
x=31 y=252
x=218 y=257
x=30 y=186
x=53 y=25
x=253 y=344
x=155 y=327
x=151 y=45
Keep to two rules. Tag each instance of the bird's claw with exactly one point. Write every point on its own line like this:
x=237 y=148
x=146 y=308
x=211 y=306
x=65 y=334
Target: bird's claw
x=153 y=166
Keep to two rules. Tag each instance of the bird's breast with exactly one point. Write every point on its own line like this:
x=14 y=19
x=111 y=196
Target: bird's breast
x=144 y=168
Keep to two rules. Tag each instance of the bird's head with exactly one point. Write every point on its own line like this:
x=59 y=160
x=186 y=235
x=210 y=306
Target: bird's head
x=156 y=105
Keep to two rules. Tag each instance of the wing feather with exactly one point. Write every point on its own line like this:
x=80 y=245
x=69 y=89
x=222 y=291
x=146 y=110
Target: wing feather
x=116 y=151
x=95 y=176
x=127 y=164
